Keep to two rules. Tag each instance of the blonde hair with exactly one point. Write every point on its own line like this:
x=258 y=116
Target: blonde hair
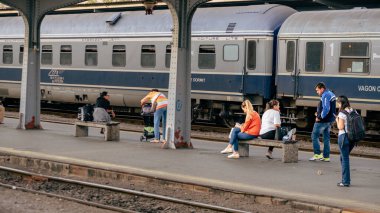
x=248 y=106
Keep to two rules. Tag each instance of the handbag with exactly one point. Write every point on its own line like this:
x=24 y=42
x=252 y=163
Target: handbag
x=232 y=129
x=280 y=133
x=154 y=103
x=153 y=107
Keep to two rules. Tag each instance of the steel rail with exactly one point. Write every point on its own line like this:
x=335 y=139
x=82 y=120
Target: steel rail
x=128 y=191
x=89 y=203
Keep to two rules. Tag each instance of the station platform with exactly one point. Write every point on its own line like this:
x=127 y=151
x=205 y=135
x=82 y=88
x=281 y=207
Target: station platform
x=304 y=181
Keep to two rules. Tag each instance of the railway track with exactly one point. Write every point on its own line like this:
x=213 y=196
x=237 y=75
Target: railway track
x=99 y=195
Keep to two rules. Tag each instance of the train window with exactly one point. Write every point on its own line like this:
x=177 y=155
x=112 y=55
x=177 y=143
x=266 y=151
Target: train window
x=206 y=57
x=91 y=55
x=21 y=54
x=231 y=52
x=354 y=57
x=251 y=55
x=290 y=56
x=314 y=56
x=7 y=54
x=47 y=54
x=66 y=55
x=148 y=56
x=118 y=56
x=168 y=55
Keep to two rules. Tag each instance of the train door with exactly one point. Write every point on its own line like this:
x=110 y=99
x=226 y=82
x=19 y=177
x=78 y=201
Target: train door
x=249 y=60
x=292 y=64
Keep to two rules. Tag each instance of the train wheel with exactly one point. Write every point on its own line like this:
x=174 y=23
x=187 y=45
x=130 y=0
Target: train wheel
x=229 y=122
x=194 y=113
x=304 y=120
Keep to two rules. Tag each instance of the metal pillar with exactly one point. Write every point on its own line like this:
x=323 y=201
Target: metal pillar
x=33 y=12
x=179 y=109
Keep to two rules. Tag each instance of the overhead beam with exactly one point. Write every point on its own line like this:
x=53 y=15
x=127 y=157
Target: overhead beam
x=332 y=4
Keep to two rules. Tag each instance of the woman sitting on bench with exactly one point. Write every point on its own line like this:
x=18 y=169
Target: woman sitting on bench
x=248 y=130
x=270 y=121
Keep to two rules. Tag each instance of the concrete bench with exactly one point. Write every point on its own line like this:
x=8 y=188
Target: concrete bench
x=289 y=150
x=111 y=129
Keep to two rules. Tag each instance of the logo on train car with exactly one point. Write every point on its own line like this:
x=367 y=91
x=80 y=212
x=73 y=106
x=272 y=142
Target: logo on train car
x=55 y=76
x=368 y=88
x=198 y=80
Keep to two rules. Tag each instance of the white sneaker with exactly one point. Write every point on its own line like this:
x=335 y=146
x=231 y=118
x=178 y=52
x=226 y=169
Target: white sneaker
x=226 y=150
x=234 y=155
x=316 y=157
x=291 y=133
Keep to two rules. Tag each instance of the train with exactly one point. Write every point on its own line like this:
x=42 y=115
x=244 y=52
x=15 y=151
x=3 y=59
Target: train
x=256 y=52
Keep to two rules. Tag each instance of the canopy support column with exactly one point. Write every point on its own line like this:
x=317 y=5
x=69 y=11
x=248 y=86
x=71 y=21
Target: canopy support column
x=179 y=109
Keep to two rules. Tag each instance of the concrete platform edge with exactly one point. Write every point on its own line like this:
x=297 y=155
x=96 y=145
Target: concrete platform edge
x=230 y=186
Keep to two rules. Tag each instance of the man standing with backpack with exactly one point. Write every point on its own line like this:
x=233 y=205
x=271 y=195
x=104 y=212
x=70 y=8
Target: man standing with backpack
x=325 y=115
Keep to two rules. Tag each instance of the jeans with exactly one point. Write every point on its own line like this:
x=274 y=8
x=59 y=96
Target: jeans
x=345 y=149
x=236 y=135
x=321 y=128
x=158 y=115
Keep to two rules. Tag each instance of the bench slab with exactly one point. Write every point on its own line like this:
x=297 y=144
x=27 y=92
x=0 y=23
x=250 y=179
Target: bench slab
x=111 y=129
x=289 y=150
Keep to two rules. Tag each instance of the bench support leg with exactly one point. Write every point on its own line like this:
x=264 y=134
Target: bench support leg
x=81 y=131
x=290 y=153
x=112 y=133
x=244 y=150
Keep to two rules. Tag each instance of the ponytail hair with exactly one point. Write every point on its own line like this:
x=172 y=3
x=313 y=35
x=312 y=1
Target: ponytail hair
x=271 y=104
x=247 y=105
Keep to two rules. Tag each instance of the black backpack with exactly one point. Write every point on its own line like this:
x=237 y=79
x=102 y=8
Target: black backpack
x=355 y=127
x=86 y=113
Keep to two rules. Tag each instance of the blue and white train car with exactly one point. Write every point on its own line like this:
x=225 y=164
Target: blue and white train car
x=233 y=50
x=340 y=48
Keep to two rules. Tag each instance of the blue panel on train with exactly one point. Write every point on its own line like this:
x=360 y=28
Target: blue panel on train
x=10 y=74
x=107 y=78
x=258 y=85
x=353 y=86
x=212 y=82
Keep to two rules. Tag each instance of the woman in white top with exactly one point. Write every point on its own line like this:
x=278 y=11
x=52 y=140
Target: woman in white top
x=269 y=122
x=344 y=145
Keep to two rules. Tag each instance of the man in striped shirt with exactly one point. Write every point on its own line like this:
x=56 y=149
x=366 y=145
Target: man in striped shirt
x=160 y=103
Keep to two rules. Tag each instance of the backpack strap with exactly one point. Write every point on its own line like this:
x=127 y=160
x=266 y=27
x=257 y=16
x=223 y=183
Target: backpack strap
x=347 y=114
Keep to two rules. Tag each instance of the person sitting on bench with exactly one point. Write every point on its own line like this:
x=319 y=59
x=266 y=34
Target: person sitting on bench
x=102 y=109
x=248 y=130
x=269 y=122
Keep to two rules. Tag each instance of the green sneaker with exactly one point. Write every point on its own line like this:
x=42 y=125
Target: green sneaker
x=316 y=157
x=325 y=159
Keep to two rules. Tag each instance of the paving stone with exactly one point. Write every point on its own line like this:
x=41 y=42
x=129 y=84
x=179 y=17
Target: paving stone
x=304 y=206
x=263 y=200
x=279 y=201
x=326 y=209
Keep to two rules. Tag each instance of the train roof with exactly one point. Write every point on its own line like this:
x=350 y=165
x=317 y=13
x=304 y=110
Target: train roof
x=243 y=20
x=342 y=23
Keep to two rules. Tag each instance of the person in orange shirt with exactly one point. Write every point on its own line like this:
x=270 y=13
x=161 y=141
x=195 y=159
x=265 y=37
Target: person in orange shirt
x=250 y=129
x=160 y=102
x=2 y=111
